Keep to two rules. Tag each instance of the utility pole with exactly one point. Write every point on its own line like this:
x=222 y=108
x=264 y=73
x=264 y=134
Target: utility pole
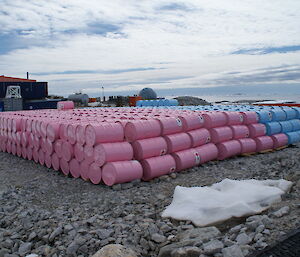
x=102 y=93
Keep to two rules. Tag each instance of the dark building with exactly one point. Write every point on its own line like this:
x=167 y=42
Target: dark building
x=30 y=89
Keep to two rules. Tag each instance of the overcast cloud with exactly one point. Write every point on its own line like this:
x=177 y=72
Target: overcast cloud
x=78 y=45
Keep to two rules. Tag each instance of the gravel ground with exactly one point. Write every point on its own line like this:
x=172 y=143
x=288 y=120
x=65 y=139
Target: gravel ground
x=44 y=212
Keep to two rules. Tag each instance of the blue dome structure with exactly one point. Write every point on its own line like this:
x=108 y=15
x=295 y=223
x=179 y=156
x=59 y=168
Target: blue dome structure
x=147 y=93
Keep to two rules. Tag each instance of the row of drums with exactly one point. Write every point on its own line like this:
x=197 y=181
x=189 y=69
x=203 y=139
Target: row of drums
x=123 y=162
x=83 y=143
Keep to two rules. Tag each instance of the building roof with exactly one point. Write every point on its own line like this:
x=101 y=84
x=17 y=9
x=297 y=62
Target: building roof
x=11 y=79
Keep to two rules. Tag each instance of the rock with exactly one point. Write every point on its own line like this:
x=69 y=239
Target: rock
x=193 y=251
x=32 y=235
x=260 y=229
x=173 y=175
x=3 y=252
x=104 y=233
x=32 y=255
x=24 y=248
x=55 y=233
x=235 y=229
x=201 y=234
x=232 y=251
x=115 y=250
x=281 y=212
x=72 y=248
x=228 y=242
x=213 y=246
x=243 y=239
x=158 y=238
x=168 y=249
x=253 y=224
x=258 y=236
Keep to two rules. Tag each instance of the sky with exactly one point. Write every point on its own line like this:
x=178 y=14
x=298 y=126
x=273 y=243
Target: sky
x=79 y=45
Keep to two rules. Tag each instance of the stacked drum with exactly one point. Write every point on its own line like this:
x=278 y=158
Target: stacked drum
x=117 y=145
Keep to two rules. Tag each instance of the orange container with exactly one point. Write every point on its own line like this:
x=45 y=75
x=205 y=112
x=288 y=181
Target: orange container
x=133 y=100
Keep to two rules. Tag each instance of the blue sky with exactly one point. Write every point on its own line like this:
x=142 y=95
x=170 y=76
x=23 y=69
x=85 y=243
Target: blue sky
x=77 y=45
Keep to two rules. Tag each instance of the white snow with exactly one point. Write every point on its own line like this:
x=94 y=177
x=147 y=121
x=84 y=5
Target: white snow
x=221 y=201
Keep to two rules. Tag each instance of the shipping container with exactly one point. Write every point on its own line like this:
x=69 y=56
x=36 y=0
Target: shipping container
x=1 y=106
x=41 y=104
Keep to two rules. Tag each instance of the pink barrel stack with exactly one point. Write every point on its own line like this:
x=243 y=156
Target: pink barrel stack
x=118 y=145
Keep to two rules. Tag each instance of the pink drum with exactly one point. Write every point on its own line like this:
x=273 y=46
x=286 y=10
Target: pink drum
x=214 y=119
x=103 y=133
x=84 y=170
x=74 y=166
x=178 y=142
x=221 y=134
x=170 y=125
x=24 y=138
x=19 y=150
x=280 y=140
x=71 y=133
x=150 y=147
x=199 y=137
x=43 y=144
x=41 y=157
x=36 y=143
x=29 y=151
x=24 y=150
x=142 y=129
x=43 y=128
x=64 y=166
x=264 y=143
x=14 y=149
x=228 y=149
x=48 y=160
x=80 y=133
x=8 y=149
x=88 y=153
x=49 y=147
x=250 y=117
x=192 y=121
x=35 y=155
x=248 y=145
x=240 y=131
x=58 y=147
x=158 y=166
x=186 y=159
x=257 y=130
x=31 y=140
x=16 y=124
x=67 y=151
x=55 y=162
x=79 y=152
x=112 y=152
x=121 y=172
x=63 y=130
x=28 y=125
x=65 y=105
x=52 y=130
x=95 y=173
x=234 y=118
x=208 y=152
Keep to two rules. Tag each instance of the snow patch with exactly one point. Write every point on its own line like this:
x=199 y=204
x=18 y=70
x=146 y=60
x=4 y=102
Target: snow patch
x=224 y=200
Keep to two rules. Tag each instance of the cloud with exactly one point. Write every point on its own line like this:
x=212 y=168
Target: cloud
x=118 y=71
x=174 y=7
x=76 y=44
x=268 y=50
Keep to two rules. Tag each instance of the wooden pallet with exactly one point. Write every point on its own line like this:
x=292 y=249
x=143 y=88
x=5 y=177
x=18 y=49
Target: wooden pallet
x=280 y=148
x=267 y=151
x=248 y=154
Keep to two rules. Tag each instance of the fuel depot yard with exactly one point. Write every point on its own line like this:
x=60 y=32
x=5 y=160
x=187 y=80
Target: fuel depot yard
x=45 y=213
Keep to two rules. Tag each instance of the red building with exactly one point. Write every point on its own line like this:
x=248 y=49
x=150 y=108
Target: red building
x=11 y=79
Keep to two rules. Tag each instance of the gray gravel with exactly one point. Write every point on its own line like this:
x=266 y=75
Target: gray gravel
x=44 y=212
